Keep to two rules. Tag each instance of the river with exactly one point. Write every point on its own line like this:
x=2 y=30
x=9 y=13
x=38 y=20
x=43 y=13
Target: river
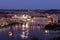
x=17 y=32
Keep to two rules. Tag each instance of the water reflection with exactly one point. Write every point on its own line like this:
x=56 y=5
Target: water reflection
x=10 y=33
x=23 y=27
x=46 y=31
x=25 y=30
x=24 y=34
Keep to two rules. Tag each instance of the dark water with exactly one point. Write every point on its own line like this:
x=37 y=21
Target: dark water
x=32 y=31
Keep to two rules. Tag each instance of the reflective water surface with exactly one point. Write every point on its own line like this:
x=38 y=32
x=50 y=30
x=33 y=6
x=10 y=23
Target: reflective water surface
x=27 y=32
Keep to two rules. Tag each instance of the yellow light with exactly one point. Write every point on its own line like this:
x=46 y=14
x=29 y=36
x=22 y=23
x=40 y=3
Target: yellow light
x=26 y=25
x=32 y=21
x=28 y=19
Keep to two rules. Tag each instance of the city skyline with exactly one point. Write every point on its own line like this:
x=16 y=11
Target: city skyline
x=29 y=4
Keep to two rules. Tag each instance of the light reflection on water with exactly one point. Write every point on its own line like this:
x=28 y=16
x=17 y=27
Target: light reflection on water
x=29 y=32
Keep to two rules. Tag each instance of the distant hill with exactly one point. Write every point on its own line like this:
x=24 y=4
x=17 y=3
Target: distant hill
x=13 y=10
x=51 y=11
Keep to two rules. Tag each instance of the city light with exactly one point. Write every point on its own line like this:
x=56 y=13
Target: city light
x=25 y=16
x=27 y=25
x=46 y=31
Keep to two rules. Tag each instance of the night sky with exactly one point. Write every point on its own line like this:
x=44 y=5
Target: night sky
x=29 y=4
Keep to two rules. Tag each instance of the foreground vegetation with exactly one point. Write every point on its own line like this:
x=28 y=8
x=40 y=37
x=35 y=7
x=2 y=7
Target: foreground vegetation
x=54 y=26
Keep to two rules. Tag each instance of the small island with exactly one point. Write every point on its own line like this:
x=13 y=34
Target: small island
x=54 y=26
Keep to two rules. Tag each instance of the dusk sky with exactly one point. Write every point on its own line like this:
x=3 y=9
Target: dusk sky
x=29 y=4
